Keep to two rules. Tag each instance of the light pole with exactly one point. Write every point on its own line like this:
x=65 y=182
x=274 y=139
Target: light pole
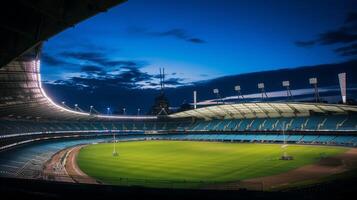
x=342 y=81
x=138 y=111
x=216 y=92
x=108 y=111
x=288 y=91
x=237 y=88
x=90 y=109
x=124 y=111
x=261 y=86
x=313 y=81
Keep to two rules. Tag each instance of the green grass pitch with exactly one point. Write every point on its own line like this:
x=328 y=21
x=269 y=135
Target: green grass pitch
x=192 y=164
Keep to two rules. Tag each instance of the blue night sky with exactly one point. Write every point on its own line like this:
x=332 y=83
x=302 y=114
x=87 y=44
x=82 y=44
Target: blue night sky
x=199 y=40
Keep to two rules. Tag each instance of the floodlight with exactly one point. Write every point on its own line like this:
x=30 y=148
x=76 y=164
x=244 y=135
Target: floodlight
x=313 y=81
x=342 y=81
x=261 y=85
x=237 y=88
x=215 y=91
x=286 y=83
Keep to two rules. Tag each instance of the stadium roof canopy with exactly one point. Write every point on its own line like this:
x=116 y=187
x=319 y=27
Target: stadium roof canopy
x=264 y=109
x=24 y=24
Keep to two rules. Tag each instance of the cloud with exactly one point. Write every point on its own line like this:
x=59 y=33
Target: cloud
x=100 y=59
x=196 y=40
x=53 y=61
x=350 y=50
x=97 y=77
x=174 y=81
x=177 y=33
x=346 y=34
x=351 y=17
x=305 y=43
x=93 y=70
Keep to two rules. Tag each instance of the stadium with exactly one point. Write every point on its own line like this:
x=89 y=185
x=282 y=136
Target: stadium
x=255 y=146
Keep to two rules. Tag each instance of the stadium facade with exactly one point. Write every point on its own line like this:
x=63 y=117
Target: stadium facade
x=28 y=115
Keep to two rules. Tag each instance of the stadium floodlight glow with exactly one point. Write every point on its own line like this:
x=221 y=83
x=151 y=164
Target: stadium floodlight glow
x=124 y=109
x=138 y=111
x=286 y=83
x=288 y=91
x=216 y=92
x=108 y=110
x=261 y=86
x=237 y=88
x=313 y=81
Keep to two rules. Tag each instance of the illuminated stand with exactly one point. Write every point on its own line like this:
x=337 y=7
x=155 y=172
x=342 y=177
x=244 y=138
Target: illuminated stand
x=261 y=86
x=285 y=156
x=313 y=81
x=239 y=93
x=286 y=84
x=115 y=153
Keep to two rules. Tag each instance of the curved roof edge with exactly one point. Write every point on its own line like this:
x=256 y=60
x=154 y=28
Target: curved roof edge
x=264 y=110
x=22 y=96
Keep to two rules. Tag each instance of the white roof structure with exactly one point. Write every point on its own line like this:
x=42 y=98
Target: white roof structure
x=23 y=97
x=263 y=110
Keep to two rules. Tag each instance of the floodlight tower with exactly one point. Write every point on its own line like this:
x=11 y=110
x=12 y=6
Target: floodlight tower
x=216 y=92
x=195 y=99
x=90 y=109
x=313 y=81
x=261 y=86
x=237 y=88
x=286 y=84
x=342 y=80
x=108 y=110
x=77 y=108
x=124 y=109
x=64 y=105
x=138 y=111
